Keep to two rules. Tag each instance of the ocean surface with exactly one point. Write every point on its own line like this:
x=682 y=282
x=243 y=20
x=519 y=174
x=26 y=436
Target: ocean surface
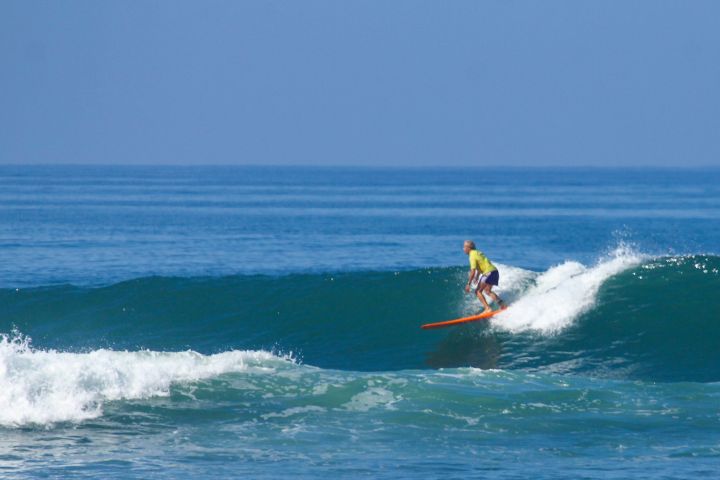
x=258 y=322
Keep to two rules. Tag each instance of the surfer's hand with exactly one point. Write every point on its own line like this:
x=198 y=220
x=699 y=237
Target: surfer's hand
x=467 y=288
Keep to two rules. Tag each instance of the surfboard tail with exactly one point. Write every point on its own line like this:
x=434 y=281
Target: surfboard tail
x=457 y=321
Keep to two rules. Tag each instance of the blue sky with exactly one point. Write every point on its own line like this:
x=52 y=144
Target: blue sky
x=416 y=83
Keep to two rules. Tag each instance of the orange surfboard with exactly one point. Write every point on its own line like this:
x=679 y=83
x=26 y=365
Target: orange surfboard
x=457 y=321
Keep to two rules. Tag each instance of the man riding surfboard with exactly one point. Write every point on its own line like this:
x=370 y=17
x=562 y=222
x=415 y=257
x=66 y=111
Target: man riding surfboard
x=483 y=275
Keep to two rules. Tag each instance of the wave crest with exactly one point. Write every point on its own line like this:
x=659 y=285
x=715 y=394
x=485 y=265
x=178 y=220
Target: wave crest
x=46 y=386
x=552 y=300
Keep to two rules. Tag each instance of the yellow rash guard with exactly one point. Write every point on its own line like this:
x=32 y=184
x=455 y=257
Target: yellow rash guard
x=478 y=261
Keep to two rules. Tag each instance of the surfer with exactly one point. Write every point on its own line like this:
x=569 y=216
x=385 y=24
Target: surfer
x=483 y=275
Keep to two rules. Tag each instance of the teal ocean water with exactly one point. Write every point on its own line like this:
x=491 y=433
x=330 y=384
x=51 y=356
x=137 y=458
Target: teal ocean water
x=158 y=322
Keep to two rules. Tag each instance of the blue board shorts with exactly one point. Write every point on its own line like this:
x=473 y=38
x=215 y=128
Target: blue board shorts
x=492 y=278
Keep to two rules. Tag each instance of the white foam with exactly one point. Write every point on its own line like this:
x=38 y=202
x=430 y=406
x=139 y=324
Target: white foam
x=549 y=301
x=45 y=386
x=371 y=398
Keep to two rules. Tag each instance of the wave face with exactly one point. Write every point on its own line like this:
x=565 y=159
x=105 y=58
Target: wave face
x=655 y=321
x=625 y=317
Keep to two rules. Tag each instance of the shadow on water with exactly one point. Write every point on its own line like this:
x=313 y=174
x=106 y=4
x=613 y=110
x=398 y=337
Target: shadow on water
x=466 y=346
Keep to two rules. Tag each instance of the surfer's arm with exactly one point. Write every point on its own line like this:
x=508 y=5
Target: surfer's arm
x=471 y=276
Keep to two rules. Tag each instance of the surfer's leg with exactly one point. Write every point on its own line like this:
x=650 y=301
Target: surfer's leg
x=493 y=295
x=481 y=297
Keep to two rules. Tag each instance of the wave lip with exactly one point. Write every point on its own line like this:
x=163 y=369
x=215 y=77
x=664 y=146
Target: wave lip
x=42 y=387
x=553 y=299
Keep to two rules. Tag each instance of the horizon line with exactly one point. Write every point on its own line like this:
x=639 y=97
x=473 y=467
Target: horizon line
x=360 y=166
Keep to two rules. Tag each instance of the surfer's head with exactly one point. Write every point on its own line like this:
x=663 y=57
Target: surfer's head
x=468 y=246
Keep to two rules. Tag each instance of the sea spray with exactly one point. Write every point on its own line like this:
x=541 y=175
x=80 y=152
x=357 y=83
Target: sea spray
x=559 y=295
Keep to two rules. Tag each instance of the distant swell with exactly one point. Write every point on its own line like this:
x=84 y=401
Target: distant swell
x=627 y=316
